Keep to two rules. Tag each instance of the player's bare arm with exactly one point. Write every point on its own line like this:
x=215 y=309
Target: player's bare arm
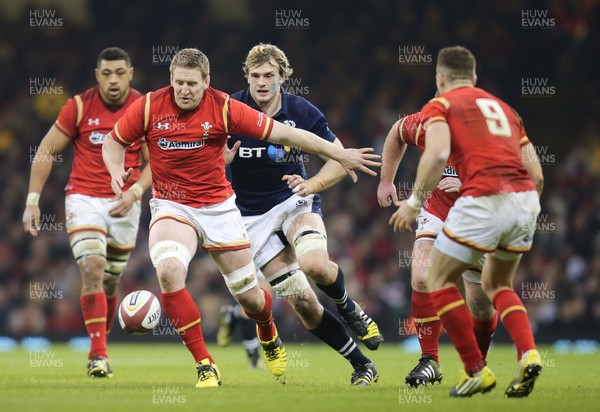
x=54 y=143
x=124 y=204
x=429 y=171
x=393 y=151
x=330 y=174
x=113 y=154
x=350 y=159
x=533 y=166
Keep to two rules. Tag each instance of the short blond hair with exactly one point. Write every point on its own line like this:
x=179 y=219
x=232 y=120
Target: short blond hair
x=191 y=59
x=262 y=53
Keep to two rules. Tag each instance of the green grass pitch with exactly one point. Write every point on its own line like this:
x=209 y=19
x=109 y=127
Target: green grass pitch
x=158 y=377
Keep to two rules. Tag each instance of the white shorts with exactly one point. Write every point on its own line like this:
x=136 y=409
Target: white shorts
x=429 y=226
x=219 y=226
x=91 y=213
x=267 y=231
x=502 y=225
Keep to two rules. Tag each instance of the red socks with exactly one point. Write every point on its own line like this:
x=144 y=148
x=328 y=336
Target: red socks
x=484 y=332
x=427 y=323
x=94 y=315
x=111 y=308
x=514 y=317
x=264 y=319
x=457 y=321
x=185 y=318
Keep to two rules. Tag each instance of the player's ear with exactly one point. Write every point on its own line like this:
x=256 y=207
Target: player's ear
x=130 y=70
x=97 y=74
x=439 y=80
x=474 y=79
x=207 y=81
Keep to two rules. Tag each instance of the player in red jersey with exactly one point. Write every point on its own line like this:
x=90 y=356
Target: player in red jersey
x=495 y=215
x=102 y=230
x=409 y=131
x=186 y=126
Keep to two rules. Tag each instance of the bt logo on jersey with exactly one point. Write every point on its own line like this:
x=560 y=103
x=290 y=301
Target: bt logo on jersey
x=248 y=152
x=278 y=154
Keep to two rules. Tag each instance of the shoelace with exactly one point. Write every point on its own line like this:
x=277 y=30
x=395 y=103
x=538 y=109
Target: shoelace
x=272 y=349
x=358 y=320
x=205 y=373
x=271 y=354
x=423 y=363
x=362 y=372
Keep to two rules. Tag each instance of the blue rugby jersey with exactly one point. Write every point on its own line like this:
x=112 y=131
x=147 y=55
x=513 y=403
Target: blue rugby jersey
x=258 y=166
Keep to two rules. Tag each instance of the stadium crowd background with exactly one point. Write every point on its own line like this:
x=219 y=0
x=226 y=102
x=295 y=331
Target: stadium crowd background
x=350 y=60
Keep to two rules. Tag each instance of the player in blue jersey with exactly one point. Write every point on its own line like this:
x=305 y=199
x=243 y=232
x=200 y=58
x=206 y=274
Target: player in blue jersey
x=286 y=230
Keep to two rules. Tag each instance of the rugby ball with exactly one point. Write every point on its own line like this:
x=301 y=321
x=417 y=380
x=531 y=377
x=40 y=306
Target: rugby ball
x=139 y=312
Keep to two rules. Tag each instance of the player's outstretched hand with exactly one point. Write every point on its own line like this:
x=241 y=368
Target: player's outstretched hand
x=31 y=220
x=402 y=220
x=359 y=159
x=229 y=154
x=298 y=185
x=118 y=181
x=450 y=184
x=124 y=203
x=386 y=194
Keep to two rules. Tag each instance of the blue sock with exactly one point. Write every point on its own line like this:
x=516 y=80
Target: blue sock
x=337 y=292
x=332 y=332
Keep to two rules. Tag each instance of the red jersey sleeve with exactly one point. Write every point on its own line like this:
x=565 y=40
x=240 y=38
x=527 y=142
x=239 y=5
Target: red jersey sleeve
x=131 y=126
x=410 y=129
x=244 y=120
x=67 y=120
x=523 y=139
x=436 y=110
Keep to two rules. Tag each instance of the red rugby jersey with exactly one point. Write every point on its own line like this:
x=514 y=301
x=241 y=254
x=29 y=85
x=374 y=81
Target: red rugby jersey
x=186 y=147
x=486 y=139
x=411 y=131
x=86 y=119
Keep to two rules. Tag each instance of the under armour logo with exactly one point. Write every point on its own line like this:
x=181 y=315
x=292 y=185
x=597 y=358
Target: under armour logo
x=94 y=122
x=163 y=126
x=94 y=335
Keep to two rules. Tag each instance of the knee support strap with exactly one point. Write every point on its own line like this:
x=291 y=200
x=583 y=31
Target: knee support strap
x=88 y=243
x=308 y=240
x=116 y=263
x=472 y=275
x=289 y=281
x=170 y=249
x=242 y=279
